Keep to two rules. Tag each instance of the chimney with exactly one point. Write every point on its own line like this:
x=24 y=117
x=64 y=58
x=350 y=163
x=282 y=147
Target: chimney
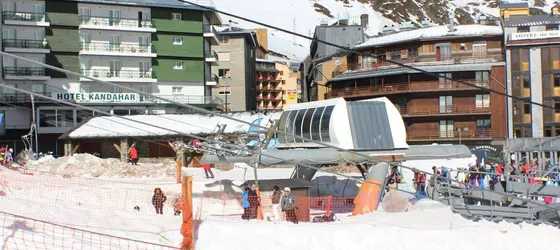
x=388 y=30
x=364 y=20
x=452 y=20
x=555 y=11
x=482 y=19
x=343 y=22
x=425 y=22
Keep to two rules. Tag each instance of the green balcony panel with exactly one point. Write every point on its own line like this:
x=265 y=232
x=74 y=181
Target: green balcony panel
x=191 y=21
x=192 y=46
x=68 y=62
x=62 y=13
x=63 y=39
x=193 y=70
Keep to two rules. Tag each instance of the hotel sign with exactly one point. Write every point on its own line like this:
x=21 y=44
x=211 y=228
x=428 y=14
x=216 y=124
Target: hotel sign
x=98 y=97
x=535 y=35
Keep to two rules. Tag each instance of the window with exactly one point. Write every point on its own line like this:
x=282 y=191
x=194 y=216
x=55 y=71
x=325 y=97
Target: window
x=224 y=56
x=144 y=43
x=144 y=68
x=396 y=54
x=325 y=124
x=556 y=80
x=551 y=27
x=316 y=122
x=557 y=107
x=224 y=73
x=290 y=126
x=177 y=90
x=114 y=17
x=306 y=126
x=445 y=104
x=482 y=101
x=518 y=133
x=224 y=39
x=548 y=132
x=38 y=88
x=176 y=16
x=481 y=78
x=121 y=112
x=82 y=115
x=297 y=123
x=526 y=83
x=522 y=29
x=479 y=49
x=114 y=68
x=84 y=14
x=446 y=128
x=527 y=108
x=57 y=118
x=47 y=118
x=177 y=65
x=443 y=52
x=177 y=41
x=484 y=124
x=115 y=89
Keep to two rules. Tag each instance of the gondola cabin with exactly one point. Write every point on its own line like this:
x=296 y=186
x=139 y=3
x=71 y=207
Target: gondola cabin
x=372 y=124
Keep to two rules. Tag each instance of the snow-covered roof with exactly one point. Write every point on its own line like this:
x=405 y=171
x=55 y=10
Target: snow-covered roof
x=197 y=124
x=264 y=60
x=536 y=20
x=442 y=31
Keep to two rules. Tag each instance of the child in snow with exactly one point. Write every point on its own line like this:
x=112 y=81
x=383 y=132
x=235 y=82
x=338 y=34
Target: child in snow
x=158 y=199
x=276 y=196
x=289 y=206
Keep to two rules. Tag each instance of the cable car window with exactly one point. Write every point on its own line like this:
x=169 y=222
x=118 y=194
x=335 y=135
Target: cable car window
x=297 y=123
x=316 y=123
x=306 y=126
x=282 y=126
x=290 y=126
x=325 y=121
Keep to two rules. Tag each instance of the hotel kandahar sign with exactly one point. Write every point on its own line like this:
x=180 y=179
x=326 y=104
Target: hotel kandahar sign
x=535 y=35
x=98 y=97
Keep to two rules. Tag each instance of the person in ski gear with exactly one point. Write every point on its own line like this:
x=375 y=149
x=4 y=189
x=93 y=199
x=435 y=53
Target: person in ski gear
x=245 y=203
x=481 y=177
x=254 y=202
x=158 y=199
x=208 y=171
x=133 y=155
x=276 y=196
x=2 y=155
x=289 y=205
x=419 y=181
x=461 y=177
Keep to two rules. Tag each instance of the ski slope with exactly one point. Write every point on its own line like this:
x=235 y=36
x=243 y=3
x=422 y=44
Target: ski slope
x=105 y=205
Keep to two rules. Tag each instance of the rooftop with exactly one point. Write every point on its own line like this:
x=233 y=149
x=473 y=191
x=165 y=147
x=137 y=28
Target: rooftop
x=507 y=4
x=156 y=3
x=537 y=20
x=441 y=32
x=197 y=124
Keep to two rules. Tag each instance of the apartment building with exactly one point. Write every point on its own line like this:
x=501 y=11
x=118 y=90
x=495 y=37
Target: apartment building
x=435 y=110
x=236 y=70
x=160 y=47
x=533 y=72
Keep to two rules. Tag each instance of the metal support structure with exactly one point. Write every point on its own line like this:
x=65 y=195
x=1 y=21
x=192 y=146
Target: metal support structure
x=35 y=126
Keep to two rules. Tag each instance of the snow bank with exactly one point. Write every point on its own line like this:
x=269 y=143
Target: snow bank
x=143 y=125
x=87 y=165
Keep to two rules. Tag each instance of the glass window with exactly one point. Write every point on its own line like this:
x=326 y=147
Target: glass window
x=47 y=118
x=297 y=123
x=306 y=126
x=522 y=29
x=515 y=60
x=526 y=82
x=527 y=108
x=557 y=107
x=282 y=127
x=120 y=112
x=551 y=27
x=325 y=124
x=482 y=101
x=524 y=59
x=224 y=40
x=177 y=65
x=65 y=118
x=483 y=124
x=315 y=123
x=83 y=115
x=176 y=16
x=177 y=41
x=290 y=126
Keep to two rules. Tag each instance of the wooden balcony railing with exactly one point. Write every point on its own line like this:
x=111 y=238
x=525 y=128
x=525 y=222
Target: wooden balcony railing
x=398 y=88
x=472 y=134
x=444 y=110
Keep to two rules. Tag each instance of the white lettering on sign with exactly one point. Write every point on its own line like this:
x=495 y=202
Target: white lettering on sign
x=535 y=35
x=98 y=97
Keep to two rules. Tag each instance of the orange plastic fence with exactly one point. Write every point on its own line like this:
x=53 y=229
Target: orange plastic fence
x=25 y=233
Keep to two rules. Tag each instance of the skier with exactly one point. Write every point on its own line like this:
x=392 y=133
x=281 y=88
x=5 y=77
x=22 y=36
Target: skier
x=245 y=203
x=133 y=155
x=289 y=205
x=208 y=171
x=419 y=181
x=158 y=199
x=276 y=196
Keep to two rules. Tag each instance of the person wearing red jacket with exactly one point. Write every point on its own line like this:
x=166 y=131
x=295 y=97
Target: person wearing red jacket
x=208 y=170
x=133 y=155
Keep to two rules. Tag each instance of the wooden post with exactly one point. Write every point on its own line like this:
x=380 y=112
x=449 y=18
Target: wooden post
x=124 y=150
x=187 y=228
x=179 y=164
x=68 y=148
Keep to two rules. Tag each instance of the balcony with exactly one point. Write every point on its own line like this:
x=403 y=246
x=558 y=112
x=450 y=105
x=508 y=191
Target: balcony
x=123 y=24
x=211 y=33
x=211 y=57
x=120 y=76
x=266 y=68
x=25 y=73
x=25 y=18
x=400 y=88
x=186 y=99
x=269 y=98
x=25 y=46
x=443 y=111
x=114 y=49
x=212 y=80
x=471 y=135
x=20 y=98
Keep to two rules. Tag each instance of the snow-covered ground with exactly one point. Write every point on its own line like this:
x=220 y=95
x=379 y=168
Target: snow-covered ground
x=105 y=205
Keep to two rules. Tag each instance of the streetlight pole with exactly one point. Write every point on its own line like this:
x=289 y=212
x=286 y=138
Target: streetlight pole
x=460 y=130
x=226 y=92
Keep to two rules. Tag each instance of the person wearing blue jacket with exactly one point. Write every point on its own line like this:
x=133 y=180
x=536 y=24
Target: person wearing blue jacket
x=245 y=203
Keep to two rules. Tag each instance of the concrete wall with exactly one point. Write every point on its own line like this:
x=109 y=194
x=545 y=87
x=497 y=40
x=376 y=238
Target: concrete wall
x=236 y=64
x=340 y=35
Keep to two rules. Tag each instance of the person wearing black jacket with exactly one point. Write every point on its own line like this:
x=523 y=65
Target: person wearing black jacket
x=253 y=202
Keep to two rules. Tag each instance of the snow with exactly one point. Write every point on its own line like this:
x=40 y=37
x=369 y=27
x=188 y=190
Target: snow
x=166 y=125
x=105 y=205
x=433 y=32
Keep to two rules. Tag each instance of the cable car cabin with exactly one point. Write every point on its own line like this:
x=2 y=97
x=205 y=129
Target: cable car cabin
x=372 y=124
